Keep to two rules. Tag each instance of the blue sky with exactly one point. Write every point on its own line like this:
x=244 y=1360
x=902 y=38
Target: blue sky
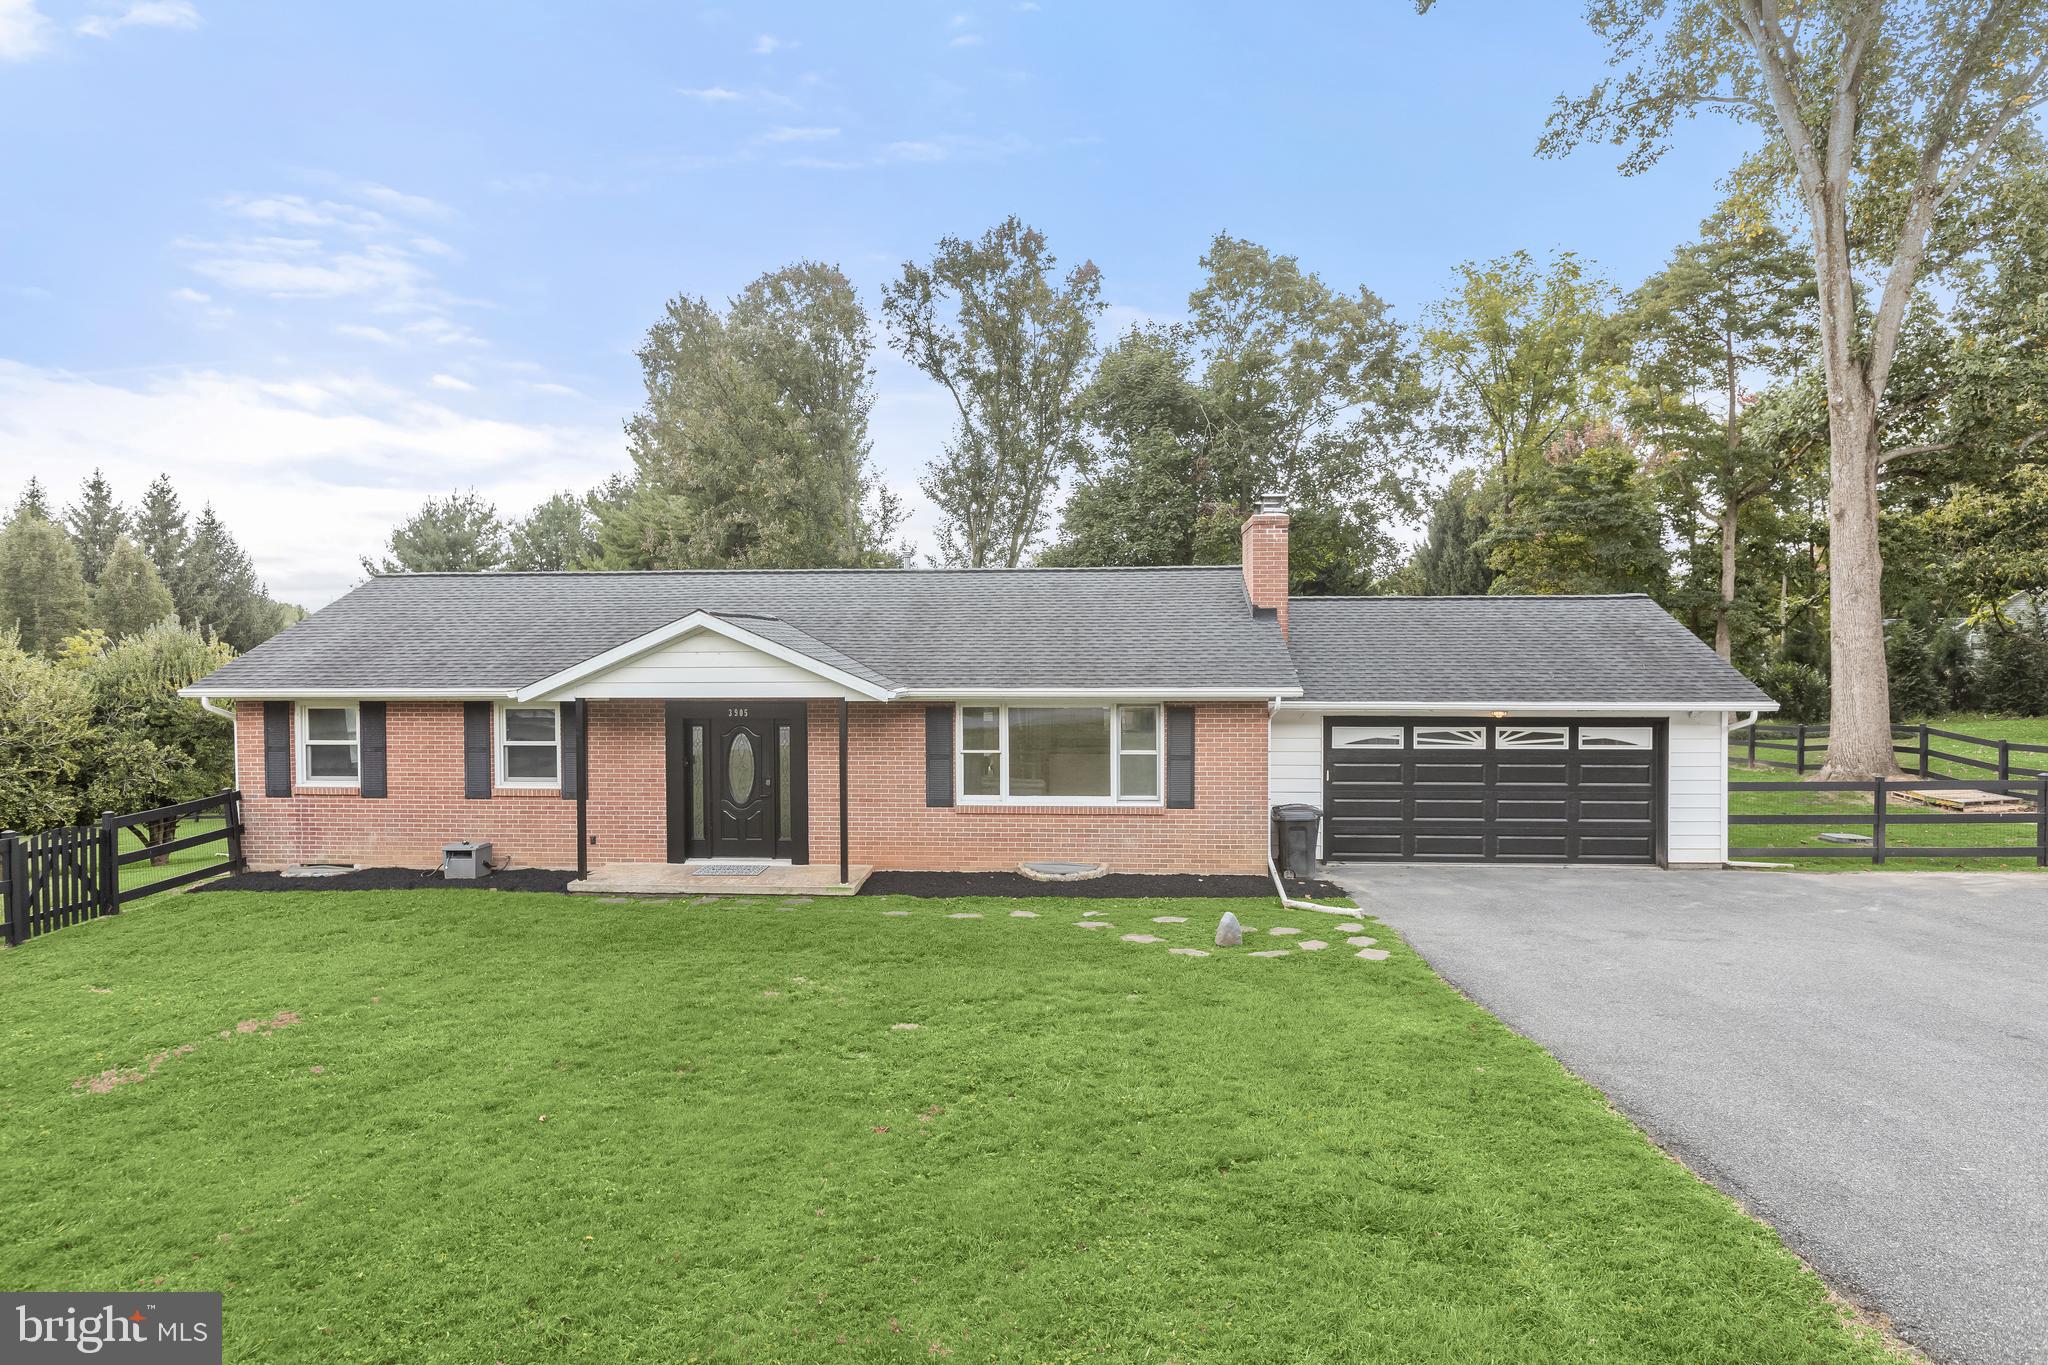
x=320 y=260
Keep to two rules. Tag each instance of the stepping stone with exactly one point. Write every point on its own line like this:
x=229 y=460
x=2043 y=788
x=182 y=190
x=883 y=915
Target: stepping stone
x=705 y=900
x=1169 y=919
x=1311 y=945
x=901 y=1028
x=1187 y=952
x=1143 y=938
x=798 y=900
x=964 y=914
x=1361 y=941
x=1282 y=930
x=1093 y=924
x=1273 y=952
x=1373 y=954
x=612 y=900
x=1091 y=914
x=1023 y=914
x=896 y=912
x=1351 y=928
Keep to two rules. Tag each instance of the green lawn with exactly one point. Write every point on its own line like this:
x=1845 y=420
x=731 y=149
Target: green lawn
x=1830 y=808
x=513 y=1127
x=184 y=860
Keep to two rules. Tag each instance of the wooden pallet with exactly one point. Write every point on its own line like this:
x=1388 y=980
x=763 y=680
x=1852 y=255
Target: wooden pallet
x=1967 y=799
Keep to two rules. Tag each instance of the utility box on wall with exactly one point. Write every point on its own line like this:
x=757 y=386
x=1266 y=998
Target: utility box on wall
x=465 y=862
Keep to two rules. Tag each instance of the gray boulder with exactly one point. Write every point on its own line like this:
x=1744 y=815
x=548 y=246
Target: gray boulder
x=1228 y=935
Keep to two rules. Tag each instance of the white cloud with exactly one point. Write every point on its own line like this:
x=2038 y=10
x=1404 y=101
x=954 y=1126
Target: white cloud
x=183 y=295
x=914 y=151
x=450 y=382
x=24 y=32
x=713 y=94
x=285 y=268
x=308 y=471
x=967 y=40
x=799 y=134
x=767 y=45
x=397 y=201
x=363 y=332
x=141 y=14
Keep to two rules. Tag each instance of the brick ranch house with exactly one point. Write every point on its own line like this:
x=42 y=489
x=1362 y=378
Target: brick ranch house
x=943 y=720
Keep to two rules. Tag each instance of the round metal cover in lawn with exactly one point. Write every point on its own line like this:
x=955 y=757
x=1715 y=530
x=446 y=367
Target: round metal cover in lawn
x=1058 y=871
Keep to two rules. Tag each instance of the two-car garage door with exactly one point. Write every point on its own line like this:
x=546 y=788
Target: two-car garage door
x=1479 y=789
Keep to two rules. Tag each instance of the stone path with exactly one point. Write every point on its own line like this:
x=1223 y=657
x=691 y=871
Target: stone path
x=1091 y=919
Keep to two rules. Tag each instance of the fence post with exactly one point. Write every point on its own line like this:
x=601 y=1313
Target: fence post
x=110 y=864
x=2004 y=760
x=2041 y=820
x=1752 y=741
x=1800 y=751
x=17 y=909
x=1877 y=822
x=234 y=813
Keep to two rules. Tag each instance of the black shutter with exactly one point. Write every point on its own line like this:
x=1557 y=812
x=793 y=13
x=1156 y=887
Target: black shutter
x=277 y=748
x=571 y=721
x=476 y=750
x=370 y=738
x=938 y=755
x=1180 y=756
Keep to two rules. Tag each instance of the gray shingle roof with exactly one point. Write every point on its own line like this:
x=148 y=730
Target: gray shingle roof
x=934 y=628
x=1506 y=650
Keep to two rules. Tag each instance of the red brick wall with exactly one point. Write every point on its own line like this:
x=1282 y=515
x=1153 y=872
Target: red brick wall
x=426 y=807
x=1263 y=553
x=628 y=809
x=891 y=827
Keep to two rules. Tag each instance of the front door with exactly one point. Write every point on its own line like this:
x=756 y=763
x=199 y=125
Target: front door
x=736 y=780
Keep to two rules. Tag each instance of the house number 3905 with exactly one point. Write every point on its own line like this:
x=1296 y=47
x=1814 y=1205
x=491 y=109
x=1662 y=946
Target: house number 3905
x=736 y=712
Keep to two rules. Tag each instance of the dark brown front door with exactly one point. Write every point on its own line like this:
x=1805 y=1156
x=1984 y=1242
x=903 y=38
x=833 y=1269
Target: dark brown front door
x=736 y=780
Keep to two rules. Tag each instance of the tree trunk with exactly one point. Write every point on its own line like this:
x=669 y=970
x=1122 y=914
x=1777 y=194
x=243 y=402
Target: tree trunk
x=1722 y=644
x=1860 y=708
x=160 y=832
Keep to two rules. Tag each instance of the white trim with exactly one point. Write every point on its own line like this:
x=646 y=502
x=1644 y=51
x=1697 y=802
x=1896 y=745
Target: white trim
x=1510 y=710
x=690 y=625
x=345 y=693
x=500 y=742
x=1096 y=694
x=302 y=739
x=1115 y=800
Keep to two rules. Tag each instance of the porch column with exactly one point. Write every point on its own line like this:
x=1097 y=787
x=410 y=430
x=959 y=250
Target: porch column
x=582 y=789
x=843 y=870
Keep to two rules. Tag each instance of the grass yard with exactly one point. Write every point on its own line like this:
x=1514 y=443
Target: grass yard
x=1829 y=808
x=184 y=860
x=468 y=1126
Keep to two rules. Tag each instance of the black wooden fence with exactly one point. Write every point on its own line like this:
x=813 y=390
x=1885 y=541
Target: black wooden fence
x=1882 y=822
x=66 y=876
x=1804 y=748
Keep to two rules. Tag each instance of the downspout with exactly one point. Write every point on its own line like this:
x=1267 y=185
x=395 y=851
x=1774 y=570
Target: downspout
x=1745 y=724
x=1273 y=869
x=207 y=704
x=1746 y=863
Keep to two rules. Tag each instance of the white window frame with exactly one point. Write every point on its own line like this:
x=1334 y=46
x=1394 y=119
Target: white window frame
x=500 y=743
x=1368 y=736
x=1467 y=737
x=1551 y=737
x=1617 y=738
x=303 y=743
x=1116 y=776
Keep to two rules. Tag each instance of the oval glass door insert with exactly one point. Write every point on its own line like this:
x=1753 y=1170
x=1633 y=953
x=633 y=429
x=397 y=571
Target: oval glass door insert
x=739 y=767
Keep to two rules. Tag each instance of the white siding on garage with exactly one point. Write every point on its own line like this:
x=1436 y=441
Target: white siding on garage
x=707 y=665
x=1697 y=827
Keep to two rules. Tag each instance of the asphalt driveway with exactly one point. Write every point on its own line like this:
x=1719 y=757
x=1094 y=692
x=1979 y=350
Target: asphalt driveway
x=1860 y=1058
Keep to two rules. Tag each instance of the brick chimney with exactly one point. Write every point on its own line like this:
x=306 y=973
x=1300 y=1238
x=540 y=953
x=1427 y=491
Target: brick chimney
x=1264 y=557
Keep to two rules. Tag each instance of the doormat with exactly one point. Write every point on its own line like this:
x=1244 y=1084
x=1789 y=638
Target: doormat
x=728 y=870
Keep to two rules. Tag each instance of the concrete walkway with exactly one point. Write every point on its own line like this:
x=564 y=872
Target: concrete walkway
x=1860 y=1058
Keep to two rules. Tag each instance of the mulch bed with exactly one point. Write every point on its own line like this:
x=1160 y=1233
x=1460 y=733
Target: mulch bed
x=395 y=879
x=1117 y=885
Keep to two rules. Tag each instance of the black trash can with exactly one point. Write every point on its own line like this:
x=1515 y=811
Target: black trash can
x=1294 y=839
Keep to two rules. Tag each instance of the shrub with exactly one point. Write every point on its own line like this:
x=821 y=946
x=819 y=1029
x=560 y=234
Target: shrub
x=1914 y=689
x=1799 y=689
x=2016 y=673
x=45 y=725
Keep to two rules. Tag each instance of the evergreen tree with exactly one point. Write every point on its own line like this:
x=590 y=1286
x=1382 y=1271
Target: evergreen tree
x=42 y=591
x=45 y=722
x=2016 y=672
x=130 y=596
x=1586 y=525
x=558 y=534
x=460 y=533
x=216 y=587
x=33 y=500
x=160 y=529
x=97 y=523
x=1915 y=692
x=1450 y=562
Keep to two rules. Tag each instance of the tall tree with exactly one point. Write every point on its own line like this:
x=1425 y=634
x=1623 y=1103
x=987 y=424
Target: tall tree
x=1876 y=113
x=129 y=596
x=1519 y=353
x=460 y=533
x=33 y=500
x=1011 y=344
x=1726 y=309
x=42 y=591
x=1452 y=559
x=216 y=588
x=96 y=522
x=45 y=722
x=752 y=448
x=1587 y=524
x=1278 y=384
x=150 y=747
x=558 y=534
x=160 y=527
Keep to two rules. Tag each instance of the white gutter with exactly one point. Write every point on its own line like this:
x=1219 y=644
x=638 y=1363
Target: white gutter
x=1518 y=708
x=1744 y=724
x=1272 y=868
x=206 y=704
x=1264 y=694
x=350 y=693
